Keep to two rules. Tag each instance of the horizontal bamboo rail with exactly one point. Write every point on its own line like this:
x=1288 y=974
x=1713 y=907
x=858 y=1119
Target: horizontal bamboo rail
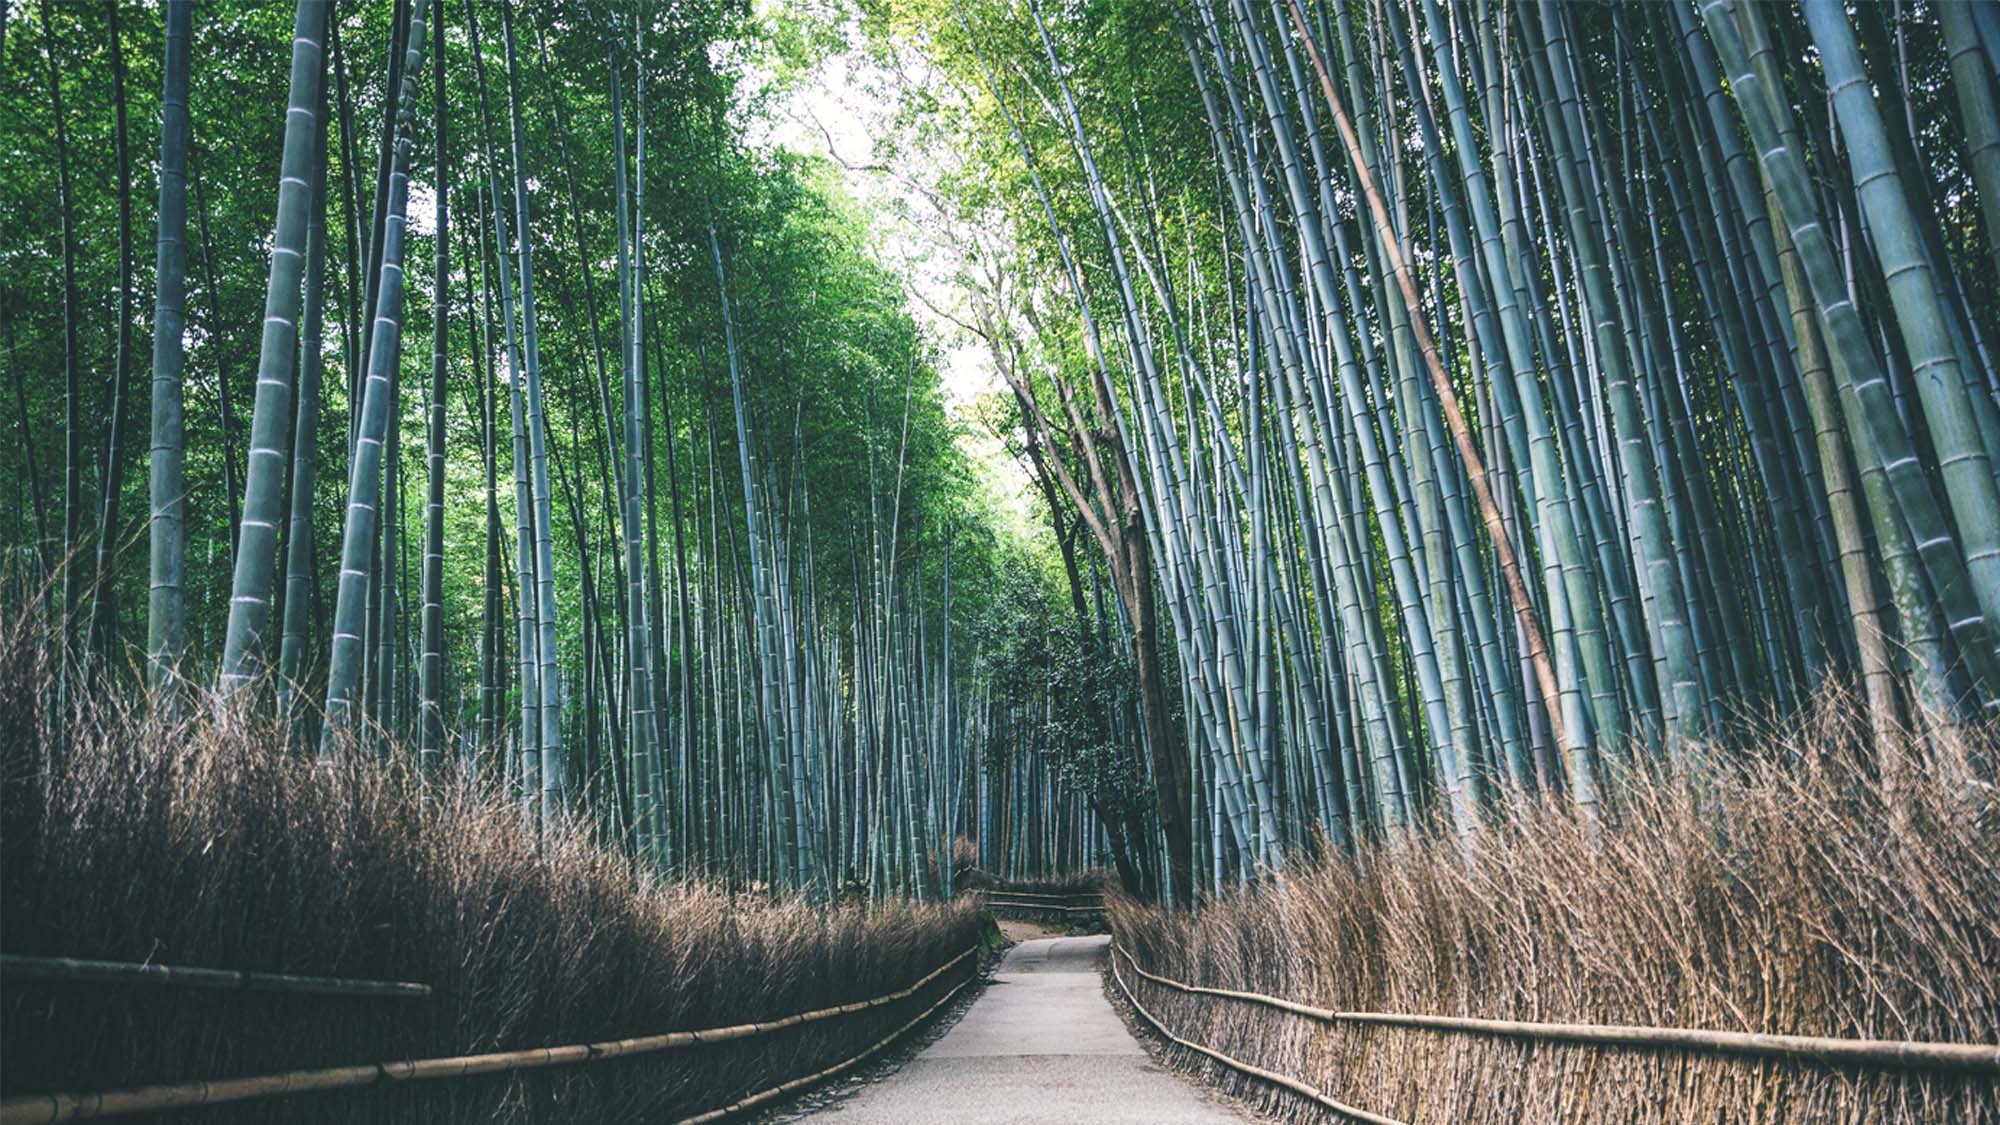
x=134 y=972
x=1881 y=1054
x=998 y=893
x=796 y=1084
x=38 y=1109
x=1302 y=1089
x=1006 y=905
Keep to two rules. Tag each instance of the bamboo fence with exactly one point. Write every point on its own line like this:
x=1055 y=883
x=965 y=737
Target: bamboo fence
x=1881 y=1054
x=1005 y=904
x=1091 y=896
x=779 y=1091
x=1303 y=1089
x=1030 y=903
x=134 y=972
x=38 y=1109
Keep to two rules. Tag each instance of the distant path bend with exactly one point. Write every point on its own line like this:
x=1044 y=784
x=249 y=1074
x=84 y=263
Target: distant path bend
x=1040 y=1045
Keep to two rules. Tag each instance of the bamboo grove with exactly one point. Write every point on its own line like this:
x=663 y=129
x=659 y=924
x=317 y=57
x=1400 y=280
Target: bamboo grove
x=580 y=441
x=1477 y=398
x=1427 y=404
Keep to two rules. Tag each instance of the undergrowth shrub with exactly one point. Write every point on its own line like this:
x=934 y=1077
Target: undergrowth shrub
x=199 y=841
x=1780 y=888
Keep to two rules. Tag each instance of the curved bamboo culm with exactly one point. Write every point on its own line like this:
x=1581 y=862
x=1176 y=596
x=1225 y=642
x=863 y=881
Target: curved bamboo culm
x=1882 y=1054
x=40 y=1109
x=1302 y=1089
x=133 y=972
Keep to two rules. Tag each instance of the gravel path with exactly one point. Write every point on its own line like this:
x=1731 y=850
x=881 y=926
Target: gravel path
x=1041 y=1044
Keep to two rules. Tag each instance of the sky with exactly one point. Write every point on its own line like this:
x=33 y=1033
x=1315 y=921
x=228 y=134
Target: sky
x=838 y=112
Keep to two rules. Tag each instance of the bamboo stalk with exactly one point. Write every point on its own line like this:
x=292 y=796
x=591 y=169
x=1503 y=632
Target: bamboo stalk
x=43 y=1108
x=101 y=637
x=553 y=765
x=256 y=549
x=372 y=480
x=166 y=616
x=1475 y=466
x=133 y=972
x=431 y=734
x=1885 y=1054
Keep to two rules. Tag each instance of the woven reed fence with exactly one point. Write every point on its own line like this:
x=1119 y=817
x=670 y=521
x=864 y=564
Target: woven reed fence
x=55 y=1107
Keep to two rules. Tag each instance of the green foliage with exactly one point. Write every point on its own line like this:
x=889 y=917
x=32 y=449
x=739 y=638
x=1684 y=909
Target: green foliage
x=831 y=352
x=1074 y=688
x=859 y=465
x=1433 y=339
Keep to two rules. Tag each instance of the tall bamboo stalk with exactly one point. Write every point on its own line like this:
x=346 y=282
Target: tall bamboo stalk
x=364 y=482
x=166 y=610
x=263 y=482
x=430 y=692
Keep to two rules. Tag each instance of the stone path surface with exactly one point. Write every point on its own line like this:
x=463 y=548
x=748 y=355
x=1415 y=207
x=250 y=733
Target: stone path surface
x=1042 y=1044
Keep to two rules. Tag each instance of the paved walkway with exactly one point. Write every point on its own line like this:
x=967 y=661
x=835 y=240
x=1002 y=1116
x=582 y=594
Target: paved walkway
x=1042 y=1044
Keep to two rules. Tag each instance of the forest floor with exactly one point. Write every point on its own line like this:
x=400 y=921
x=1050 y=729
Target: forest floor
x=1041 y=1044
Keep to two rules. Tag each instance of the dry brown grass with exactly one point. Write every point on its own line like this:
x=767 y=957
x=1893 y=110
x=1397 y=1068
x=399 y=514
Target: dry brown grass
x=198 y=842
x=1785 y=892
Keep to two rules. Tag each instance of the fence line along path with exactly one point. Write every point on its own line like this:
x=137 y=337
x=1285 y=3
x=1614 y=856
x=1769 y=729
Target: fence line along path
x=17 y=967
x=1878 y=1054
x=48 y=1108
